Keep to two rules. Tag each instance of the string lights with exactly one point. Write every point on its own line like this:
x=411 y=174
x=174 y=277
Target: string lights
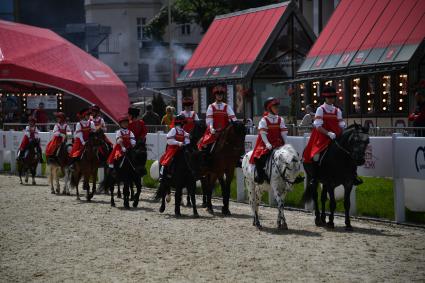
x=355 y=95
x=315 y=92
x=401 y=94
x=301 y=90
x=386 y=93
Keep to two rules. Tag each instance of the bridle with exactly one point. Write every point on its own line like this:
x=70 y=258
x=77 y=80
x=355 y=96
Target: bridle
x=282 y=174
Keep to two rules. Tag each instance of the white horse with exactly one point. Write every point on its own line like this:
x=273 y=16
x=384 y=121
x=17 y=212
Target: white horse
x=282 y=168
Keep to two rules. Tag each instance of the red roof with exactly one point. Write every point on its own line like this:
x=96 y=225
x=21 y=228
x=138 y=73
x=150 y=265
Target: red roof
x=365 y=32
x=234 y=42
x=34 y=55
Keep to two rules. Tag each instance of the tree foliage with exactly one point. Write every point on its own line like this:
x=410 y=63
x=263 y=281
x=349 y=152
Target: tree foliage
x=201 y=12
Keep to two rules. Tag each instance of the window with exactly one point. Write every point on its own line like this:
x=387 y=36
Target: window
x=385 y=93
x=370 y=95
x=355 y=105
x=185 y=29
x=141 y=29
x=401 y=96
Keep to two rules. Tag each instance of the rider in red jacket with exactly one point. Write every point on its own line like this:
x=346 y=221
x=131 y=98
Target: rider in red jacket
x=271 y=134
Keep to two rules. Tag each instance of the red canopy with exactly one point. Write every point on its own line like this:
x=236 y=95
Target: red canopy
x=35 y=55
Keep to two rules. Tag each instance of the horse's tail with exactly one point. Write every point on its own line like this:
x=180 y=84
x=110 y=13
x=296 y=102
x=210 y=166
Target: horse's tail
x=74 y=178
x=309 y=190
x=162 y=190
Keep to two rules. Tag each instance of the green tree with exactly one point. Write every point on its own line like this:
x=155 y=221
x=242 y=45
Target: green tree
x=201 y=12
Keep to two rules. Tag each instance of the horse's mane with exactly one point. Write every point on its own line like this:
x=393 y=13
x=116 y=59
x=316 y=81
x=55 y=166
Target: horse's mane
x=239 y=129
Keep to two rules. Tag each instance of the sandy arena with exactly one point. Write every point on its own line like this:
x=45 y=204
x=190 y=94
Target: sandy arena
x=49 y=238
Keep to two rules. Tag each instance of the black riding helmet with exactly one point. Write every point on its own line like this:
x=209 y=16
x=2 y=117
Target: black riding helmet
x=270 y=102
x=179 y=119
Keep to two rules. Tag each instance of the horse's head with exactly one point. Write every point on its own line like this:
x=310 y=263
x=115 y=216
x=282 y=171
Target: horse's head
x=354 y=140
x=34 y=143
x=288 y=163
x=95 y=139
x=197 y=131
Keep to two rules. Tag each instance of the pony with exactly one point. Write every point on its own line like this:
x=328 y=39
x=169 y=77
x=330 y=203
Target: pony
x=30 y=161
x=128 y=170
x=86 y=167
x=227 y=151
x=184 y=174
x=282 y=168
x=60 y=163
x=337 y=166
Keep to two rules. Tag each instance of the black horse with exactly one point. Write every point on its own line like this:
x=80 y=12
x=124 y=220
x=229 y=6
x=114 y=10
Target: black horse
x=30 y=161
x=128 y=170
x=184 y=175
x=338 y=166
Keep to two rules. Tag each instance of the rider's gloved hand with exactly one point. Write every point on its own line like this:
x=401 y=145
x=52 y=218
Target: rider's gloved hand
x=83 y=142
x=331 y=135
x=123 y=149
x=180 y=144
x=119 y=140
x=269 y=146
x=212 y=130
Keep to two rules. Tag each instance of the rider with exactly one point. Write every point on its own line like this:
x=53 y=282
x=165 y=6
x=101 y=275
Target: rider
x=137 y=126
x=328 y=125
x=190 y=115
x=177 y=137
x=30 y=134
x=125 y=140
x=81 y=135
x=218 y=116
x=99 y=123
x=272 y=134
x=60 y=132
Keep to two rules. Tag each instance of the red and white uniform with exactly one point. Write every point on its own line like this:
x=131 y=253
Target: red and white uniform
x=60 y=131
x=81 y=135
x=191 y=117
x=138 y=128
x=175 y=137
x=218 y=116
x=99 y=123
x=272 y=130
x=125 y=140
x=330 y=118
x=30 y=133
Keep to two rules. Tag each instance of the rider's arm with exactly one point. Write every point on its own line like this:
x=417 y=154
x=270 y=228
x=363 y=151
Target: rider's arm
x=262 y=127
x=56 y=132
x=27 y=131
x=92 y=126
x=118 y=138
x=36 y=131
x=132 y=139
x=186 y=138
x=78 y=134
x=103 y=125
x=318 y=121
x=341 y=121
x=283 y=130
x=196 y=117
x=171 y=137
x=230 y=113
x=209 y=117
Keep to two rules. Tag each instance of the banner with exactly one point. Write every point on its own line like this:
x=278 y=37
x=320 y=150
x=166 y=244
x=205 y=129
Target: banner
x=50 y=102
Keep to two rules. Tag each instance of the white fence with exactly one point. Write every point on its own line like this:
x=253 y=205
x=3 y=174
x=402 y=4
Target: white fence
x=397 y=157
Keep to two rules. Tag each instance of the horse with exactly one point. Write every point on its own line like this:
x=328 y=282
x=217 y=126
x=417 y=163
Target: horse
x=87 y=165
x=282 y=168
x=60 y=163
x=129 y=170
x=228 y=149
x=184 y=174
x=338 y=165
x=30 y=161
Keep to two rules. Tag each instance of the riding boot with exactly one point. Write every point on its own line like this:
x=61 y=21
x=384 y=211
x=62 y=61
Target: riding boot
x=314 y=172
x=21 y=154
x=40 y=154
x=163 y=174
x=261 y=174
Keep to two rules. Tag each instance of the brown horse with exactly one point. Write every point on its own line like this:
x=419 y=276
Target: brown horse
x=60 y=163
x=227 y=152
x=30 y=161
x=87 y=165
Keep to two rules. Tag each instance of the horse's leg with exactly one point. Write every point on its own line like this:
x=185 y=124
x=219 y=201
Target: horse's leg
x=126 y=192
x=189 y=195
x=204 y=192
x=191 y=188
x=51 y=177
x=131 y=192
x=163 y=191
x=178 y=200
x=347 y=204
x=111 y=189
x=278 y=196
x=210 y=181
x=119 y=190
x=226 y=192
x=20 y=173
x=65 y=180
x=138 y=185
x=323 y=199
x=86 y=185
x=254 y=197
x=33 y=170
x=332 y=205
x=94 y=176
x=317 y=220
x=26 y=175
x=58 y=187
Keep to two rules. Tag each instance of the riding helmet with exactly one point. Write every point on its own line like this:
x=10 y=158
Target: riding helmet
x=219 y=90
x=329 y=91
x=122 y=119
x=270 y=102
x=133 y=111
x=187 y=101
x=60 y=115
x=83 y=112
x=179 y=119
x=95 y=108
x=32 y=119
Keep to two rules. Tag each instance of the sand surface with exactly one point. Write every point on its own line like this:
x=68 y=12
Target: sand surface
x=50 y=238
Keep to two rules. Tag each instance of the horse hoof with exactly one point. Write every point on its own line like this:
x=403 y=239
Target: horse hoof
x=162 y=208
x=210 y=210
x=126 y=205
x=258 y=226
x=58 y=192
x=168 y=198
x=318 y=222
x=52 y=192
x=64 y=192
x=33 y=183
x=78 y=198
x=135 y=204
x=68 y=193
x=204 y=205
x=196 y=215
x=330 y=225
x=113 y=204
x=188 y=204
x=282 y=226
x=178 y=214
x=226 y=211
x=349 y=228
